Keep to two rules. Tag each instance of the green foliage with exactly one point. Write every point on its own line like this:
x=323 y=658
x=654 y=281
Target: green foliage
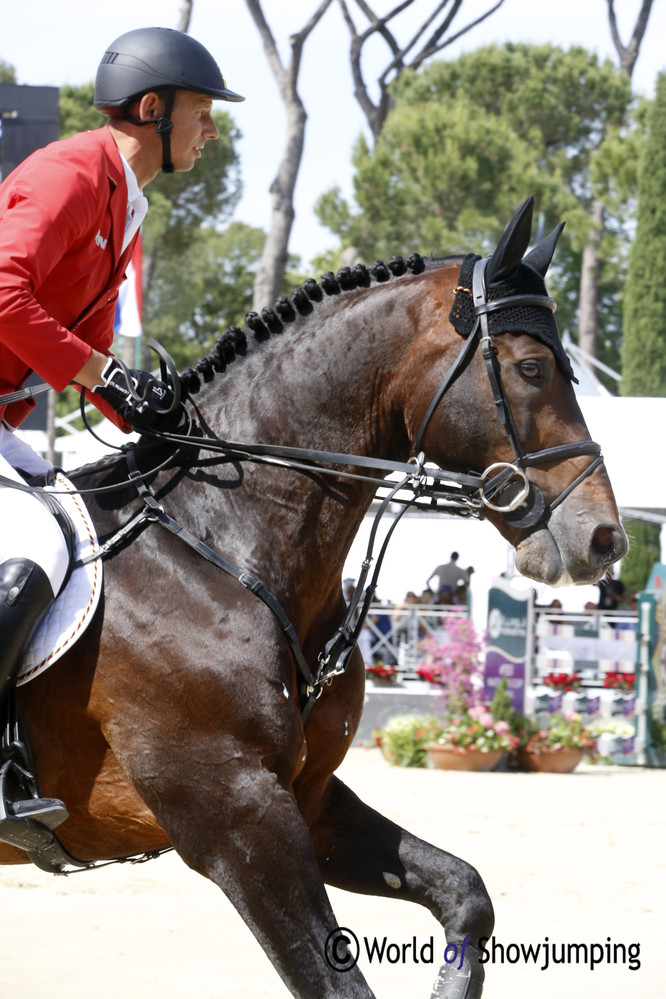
x=644 y=551
x=644 y=345
x=404 y=739
x=185 y=250
x=502 y=709
x=563 y=732
x=467 y=140
x=657 y=730
x=7 y=72
x=212 y=289
x=77 y=111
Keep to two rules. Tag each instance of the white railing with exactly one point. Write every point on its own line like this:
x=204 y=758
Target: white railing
x=589 y=644
x=393 y=633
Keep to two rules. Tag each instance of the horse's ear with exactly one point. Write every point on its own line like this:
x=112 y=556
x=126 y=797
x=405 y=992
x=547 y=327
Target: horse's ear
x=540 y=257
x=514 y=241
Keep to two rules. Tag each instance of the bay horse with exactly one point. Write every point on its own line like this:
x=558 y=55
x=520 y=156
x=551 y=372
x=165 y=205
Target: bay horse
x=178 y=719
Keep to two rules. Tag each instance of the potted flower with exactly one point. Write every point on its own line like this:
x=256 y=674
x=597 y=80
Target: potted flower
x=453 y=663
x=472 y=740
x=558 y=748
x=431 y=674
x=404 y=738
x=562 y=682
x=382 y=673
x=620 y=681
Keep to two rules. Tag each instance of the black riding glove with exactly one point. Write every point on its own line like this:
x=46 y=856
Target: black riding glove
x=143 y=401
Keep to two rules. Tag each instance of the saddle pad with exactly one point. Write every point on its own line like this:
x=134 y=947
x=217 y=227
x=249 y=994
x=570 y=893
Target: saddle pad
x=71 y=612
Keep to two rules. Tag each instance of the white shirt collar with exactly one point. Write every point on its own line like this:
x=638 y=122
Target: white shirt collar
x=133 y=189
x=137 y=205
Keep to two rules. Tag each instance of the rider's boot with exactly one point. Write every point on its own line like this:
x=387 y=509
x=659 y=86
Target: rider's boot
x=25 y=595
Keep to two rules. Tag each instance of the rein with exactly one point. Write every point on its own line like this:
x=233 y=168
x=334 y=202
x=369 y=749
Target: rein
x=503 y=487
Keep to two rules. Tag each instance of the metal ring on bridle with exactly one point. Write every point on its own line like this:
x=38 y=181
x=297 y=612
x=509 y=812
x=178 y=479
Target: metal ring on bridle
x=517 y=500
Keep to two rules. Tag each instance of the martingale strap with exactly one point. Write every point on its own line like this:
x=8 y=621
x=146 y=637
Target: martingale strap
x=334 y=659
x=157 y=513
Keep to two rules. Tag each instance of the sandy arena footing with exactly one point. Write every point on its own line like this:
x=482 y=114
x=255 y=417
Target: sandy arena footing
x=568 y=860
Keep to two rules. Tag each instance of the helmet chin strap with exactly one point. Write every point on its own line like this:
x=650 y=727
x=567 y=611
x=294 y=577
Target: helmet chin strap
x=163 y=126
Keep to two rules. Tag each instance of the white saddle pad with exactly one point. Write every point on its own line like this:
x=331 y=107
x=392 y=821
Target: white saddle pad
x=70 y=614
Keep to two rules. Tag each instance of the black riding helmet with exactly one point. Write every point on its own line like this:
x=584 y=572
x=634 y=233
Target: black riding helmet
x=147 y=58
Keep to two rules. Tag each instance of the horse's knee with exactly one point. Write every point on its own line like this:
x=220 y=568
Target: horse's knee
x=473 y=915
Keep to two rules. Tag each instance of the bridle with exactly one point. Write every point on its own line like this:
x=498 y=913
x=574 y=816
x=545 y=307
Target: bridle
x=505 y=487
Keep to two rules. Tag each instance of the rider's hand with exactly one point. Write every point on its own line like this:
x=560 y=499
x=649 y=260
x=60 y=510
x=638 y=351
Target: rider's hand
x=142 y=400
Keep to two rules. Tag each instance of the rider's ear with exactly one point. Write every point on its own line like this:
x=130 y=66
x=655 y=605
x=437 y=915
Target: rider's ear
x=515 y=239
x=540 y=257
x=149 y=106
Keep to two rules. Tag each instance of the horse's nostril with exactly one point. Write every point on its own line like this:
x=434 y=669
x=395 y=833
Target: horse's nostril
x=609 y=542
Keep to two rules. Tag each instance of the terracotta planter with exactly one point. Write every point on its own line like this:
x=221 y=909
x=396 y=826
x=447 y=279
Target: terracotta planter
x=550 y=761
x=444 y=758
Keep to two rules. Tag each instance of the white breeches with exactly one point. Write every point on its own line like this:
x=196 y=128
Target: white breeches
x=28 y=529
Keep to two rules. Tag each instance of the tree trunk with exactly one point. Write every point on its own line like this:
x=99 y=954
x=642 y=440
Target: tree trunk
x=587 y=320
x=274 y=257
x=628 y=54
x=273 y=261
x=185 y=15
x=432 y=36
x=587 y=323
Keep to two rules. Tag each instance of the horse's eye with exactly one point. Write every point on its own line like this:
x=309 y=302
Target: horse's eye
x=530 y=369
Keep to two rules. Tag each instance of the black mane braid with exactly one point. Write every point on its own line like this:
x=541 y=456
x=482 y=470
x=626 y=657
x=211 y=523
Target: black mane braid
x=302 y=302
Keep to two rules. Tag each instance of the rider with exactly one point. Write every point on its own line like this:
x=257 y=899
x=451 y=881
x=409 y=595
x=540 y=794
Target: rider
x=69 y=219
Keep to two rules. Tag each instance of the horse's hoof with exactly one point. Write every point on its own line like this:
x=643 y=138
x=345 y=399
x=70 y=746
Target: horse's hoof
x=460 y=980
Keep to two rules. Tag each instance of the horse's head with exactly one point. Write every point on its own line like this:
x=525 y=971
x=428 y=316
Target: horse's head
x=510 y=393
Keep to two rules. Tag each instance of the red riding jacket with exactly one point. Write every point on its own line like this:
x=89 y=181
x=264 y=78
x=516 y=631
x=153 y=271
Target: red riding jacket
x=62 y=223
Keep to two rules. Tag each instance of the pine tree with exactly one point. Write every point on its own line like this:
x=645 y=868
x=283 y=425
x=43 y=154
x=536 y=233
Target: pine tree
x=644 y=551
x=644 y=342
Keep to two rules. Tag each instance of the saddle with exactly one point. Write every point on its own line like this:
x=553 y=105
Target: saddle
x=71 y=612
x=62 y=625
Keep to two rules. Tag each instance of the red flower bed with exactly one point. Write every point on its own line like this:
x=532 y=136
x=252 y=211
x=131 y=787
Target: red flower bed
x=620 y=681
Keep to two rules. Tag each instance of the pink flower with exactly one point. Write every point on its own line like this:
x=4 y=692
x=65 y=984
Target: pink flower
x=486 y=719
x=501 y=728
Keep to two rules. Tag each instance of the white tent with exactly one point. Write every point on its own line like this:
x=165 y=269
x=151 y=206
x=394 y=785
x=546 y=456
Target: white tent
x=628 y=429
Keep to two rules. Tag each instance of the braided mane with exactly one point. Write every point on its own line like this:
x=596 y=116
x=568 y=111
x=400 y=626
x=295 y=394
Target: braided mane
x=233 y=341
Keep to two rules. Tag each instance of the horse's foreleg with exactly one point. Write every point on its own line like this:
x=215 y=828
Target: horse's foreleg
x=252 y=842
x=359 y=850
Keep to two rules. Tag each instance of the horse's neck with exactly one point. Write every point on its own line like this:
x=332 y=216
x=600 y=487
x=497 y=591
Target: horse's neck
x=322 y=384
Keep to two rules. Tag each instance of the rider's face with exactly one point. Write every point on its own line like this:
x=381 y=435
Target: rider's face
x=193 y=126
